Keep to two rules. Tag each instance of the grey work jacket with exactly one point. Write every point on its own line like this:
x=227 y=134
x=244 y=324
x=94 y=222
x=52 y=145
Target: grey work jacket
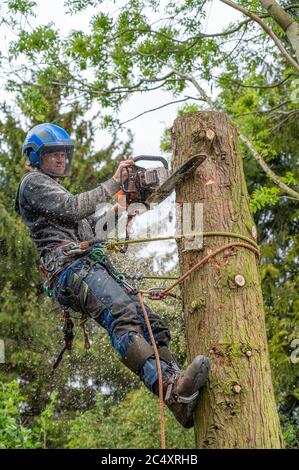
x=54 y=215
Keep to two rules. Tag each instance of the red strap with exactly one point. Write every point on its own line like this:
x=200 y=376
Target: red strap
x=63 y=244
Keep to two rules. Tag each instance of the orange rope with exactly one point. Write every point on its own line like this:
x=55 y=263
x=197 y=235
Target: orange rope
x=160 y=378
x=205 y=259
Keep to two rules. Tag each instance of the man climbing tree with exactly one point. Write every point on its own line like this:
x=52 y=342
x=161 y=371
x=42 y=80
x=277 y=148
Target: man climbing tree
x=58 y=221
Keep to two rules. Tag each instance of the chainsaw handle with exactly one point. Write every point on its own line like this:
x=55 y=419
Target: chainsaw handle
x=129 y=181
x=125 y=179
x=153 y=158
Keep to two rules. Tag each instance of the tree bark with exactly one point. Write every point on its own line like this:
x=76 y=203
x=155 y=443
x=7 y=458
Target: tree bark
x=285 y=21
x=224 y=319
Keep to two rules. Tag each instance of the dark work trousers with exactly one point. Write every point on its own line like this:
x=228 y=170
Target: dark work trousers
x=87 y=286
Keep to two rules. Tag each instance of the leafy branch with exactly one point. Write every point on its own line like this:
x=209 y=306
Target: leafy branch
x=277 y=180
x=267 y=29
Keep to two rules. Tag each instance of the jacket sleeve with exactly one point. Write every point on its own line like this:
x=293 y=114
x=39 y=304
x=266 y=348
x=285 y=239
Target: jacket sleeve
x=48 y=198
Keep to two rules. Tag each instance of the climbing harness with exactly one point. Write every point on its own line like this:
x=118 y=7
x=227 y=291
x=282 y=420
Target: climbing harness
x=96 y=254
x=156 y=293
x=56 y=261
x=99 y=255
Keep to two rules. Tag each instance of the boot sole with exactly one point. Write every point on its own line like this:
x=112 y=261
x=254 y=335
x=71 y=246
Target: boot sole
x=204 y=363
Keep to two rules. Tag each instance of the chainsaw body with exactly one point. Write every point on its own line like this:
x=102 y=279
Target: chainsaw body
x=138 y=183
x=153 y=185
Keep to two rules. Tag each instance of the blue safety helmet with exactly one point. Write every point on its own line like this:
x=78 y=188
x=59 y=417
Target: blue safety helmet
x=44 y=139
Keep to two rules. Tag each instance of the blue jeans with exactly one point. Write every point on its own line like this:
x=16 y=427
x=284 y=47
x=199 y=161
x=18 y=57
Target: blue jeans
x=92 y=290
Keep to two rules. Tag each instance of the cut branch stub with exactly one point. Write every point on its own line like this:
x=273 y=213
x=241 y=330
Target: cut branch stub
x=240 y=280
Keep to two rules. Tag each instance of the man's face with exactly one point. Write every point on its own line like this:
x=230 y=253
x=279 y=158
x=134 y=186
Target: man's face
x=54 y=162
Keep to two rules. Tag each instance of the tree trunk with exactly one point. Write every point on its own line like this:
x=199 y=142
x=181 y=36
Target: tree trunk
x=224 y=318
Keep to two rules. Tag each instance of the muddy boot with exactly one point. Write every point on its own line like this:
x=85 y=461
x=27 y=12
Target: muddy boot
x=182 y=388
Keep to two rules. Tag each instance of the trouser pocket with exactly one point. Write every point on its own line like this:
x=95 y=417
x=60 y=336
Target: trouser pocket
x=80 y=296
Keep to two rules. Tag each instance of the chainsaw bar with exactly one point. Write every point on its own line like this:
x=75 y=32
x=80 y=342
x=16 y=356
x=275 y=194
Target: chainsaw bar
x=161 y=193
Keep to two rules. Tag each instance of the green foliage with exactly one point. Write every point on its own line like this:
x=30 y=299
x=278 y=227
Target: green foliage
x=133 y=424
x=13 y=435
x=45 y=422
x=264 y=196
x=21 y=6
x=165 y=142
x=188 y=108
x=75 y=6
x=291 y=432
x=41 y=40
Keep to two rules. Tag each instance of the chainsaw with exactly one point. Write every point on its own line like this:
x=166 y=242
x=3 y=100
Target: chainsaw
x=153 y=185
